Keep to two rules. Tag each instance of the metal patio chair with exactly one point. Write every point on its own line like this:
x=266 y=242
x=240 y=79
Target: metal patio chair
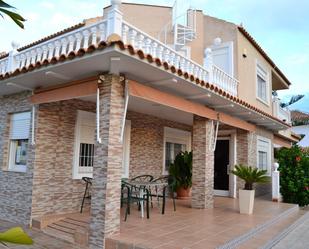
x=140 y=178
x=87 y=193
x=161 y=192
x=129 y=195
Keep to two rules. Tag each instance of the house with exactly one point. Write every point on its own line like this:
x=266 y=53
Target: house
x=300 y=121
x=118 y=96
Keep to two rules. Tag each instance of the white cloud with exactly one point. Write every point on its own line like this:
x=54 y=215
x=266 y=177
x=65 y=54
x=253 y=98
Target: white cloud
x=48 y=5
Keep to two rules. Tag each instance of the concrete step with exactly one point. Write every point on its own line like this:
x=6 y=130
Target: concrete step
x=261 y=239
x=294 y=236
x=69 y=229
x=261 y=234
x=59 y=234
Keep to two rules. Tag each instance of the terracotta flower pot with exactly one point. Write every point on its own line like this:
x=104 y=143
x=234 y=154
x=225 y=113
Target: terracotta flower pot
x=183 y=193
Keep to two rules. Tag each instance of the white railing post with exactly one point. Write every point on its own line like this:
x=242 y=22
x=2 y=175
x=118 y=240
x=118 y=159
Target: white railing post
x=208 y=64
x=12 y=63
x=114 y=19
x=276 y=184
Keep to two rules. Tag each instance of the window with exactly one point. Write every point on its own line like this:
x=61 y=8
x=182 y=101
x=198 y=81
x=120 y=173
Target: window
x=264 y=154
x=19 y=138
x=262 y=83
x=175 y=141
x=85 y=145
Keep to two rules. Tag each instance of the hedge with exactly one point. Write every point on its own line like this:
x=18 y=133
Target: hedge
x=294 y=174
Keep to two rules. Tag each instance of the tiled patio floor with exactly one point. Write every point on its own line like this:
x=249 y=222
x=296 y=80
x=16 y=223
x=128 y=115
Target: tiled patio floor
x=192 y=228
x=186 y=228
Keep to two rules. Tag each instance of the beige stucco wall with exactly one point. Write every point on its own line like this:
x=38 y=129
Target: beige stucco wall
x=148 y=18
x=247 y=74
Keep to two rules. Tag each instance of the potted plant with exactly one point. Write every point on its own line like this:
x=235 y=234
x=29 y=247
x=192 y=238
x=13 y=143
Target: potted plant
x=250 y=175
x=181 y=174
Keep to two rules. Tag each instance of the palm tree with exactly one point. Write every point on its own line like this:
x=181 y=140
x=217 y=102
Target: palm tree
x=4 y=9
x=250 y=175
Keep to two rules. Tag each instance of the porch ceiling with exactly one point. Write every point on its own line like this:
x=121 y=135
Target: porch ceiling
x=114 y=60
x=161 y=111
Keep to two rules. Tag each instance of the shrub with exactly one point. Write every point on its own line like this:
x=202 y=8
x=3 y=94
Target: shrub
x=250 y=175
x=181 y=171
x=294 y=174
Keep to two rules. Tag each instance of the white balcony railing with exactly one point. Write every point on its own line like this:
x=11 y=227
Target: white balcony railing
x=283 y=114
x=224 y=81
x=93 y=34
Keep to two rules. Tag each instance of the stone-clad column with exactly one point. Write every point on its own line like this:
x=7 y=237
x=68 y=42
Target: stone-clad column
x=246 y=148
x=106 y=188
x=203 y=164
x=246 y=151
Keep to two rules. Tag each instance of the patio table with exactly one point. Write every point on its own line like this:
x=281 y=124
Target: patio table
x=148 y=185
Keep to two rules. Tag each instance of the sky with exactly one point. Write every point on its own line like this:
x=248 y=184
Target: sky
x=281 y=27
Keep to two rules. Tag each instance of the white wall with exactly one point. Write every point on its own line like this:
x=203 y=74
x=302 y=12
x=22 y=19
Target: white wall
x=302 y=129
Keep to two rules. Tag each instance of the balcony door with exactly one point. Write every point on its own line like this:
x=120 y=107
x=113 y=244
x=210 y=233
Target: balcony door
x=223 y=57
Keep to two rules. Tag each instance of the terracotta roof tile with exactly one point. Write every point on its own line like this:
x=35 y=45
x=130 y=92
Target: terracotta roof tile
x=299 y=116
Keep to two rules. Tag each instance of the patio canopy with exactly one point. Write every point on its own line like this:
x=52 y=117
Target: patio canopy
x=88 y=87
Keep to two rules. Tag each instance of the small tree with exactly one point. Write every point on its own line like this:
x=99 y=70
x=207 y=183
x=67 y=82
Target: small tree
x=250 y=175
x=18 y=19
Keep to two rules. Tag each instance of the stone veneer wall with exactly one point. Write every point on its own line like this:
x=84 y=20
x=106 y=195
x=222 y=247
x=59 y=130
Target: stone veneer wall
x=146 y=151
x=54 y=190
x=15 y=187
x=247 y=154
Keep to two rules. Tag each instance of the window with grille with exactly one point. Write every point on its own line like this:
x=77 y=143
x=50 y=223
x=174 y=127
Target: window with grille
x=86 y=154
x=84 y=144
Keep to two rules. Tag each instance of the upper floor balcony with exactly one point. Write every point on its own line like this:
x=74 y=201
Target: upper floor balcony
x=98 y=32
x=283 y=114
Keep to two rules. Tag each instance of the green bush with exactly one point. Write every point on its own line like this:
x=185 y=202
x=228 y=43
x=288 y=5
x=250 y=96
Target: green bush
x=294 y=174
x=180 y=171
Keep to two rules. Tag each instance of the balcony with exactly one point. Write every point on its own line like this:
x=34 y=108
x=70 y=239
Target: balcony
x=283 y=114
x=92 y=35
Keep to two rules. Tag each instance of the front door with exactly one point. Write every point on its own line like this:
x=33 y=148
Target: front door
x=221 y=177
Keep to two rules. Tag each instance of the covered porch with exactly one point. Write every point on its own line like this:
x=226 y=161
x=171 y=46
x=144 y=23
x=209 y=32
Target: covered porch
x=135 y=125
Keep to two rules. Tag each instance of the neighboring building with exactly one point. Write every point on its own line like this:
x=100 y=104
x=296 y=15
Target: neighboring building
x=300 y=122
x=107 y=99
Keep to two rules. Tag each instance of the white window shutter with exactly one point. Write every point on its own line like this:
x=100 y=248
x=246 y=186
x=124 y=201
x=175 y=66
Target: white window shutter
x=86 y=122
x=20 y=125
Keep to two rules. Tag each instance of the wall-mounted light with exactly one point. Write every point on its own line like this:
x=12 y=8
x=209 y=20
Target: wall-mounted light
x=244 y=54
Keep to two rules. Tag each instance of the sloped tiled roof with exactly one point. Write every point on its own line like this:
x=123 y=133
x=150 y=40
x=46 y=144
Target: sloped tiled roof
x=263 y=53
x=299 y=116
